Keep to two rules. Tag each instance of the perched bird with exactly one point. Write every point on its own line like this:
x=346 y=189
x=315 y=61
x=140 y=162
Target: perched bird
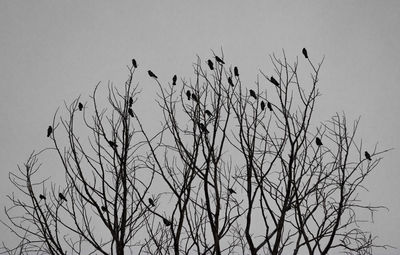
x=269 y=106
x=130 y=111
x=188 y=94
x=230 y=81
x=253 y=94
x=304 y=51
x=104 y=208
x=219 y=60
x=152 y=75
x=208 y=113
x=194 y=98
x=167 y=222
x=275 y=82
x=134 y=64
x=42 y=197
x=61 y=196
x=262 y=105
x=49 y=131
x=236 y=71
x=231 y=191
x=113 y=144
x=367 y=155
x=210 y=64
x=174 y=80
x=130 y=101
x=318 y=141
x=203 y=128
x=80 y=106
x=151 y=202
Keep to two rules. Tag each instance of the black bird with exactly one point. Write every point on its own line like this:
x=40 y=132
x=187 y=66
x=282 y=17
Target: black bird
x=210 y=64
x=130 y=101
x=367 y=155
x=262 y=105
x=194 y=98
x=269 y=106
x=203 y=128
x=174 y=80
x=253 y=94
x=80 y=106
x=236 y=71
x=230 y=81
x=304 y=51
x=231 y=191
x=61 y=196
x=112 y=144
x=152 y=75
x=130 y=111
x=219 y=60
x=188 y=94
x=275 y=82
x=318 y=141
x=104 y=208
x=49 y=131
x=42 y=197
x=208 y=113
x=151 y=202
x=134 y=64
x=167 y=222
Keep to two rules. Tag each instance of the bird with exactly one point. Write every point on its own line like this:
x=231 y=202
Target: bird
x=210 y=64
x=219 y=60
x=318 y=141
x=188 y=94
x=151 y=202
x=208 y=113
x=152 y=75
x=203 y=128
x=236 y=71
x=304 y=51
x=112 y=144
x=61 y=196
x=269 y=106
x=230 y=81
x=130 y=101
x=367 y=155
x=275 y=82
x=174 y=80
x=130 y=111
x=134 y=64
x=194 y=98
x=42 y=197
x=80 y=106
x=262 y=105
x=104 y=208
x=49 y=131
x=231 y=191
x=253 y=94
x=167 y=222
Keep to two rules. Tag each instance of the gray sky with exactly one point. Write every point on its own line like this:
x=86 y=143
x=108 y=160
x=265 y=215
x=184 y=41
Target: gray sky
x=53 y=51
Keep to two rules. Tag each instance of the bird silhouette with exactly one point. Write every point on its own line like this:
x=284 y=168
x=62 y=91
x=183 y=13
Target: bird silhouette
x=61 y=196
x=236 y=71
x=167 y=222
x=203 y=128
x=49 y=131
x=188 y=94
x=134 y=64
x=42 y=197
x=275 y=82
x=208 y=113
x=130 y=111
x=230 y=81
x=253 y=94
x=104 y=208
x=174 y=80
x=318 y=141
x=210 y=64
x=269 y=106
x=152 y=75
x=262 y=105
x=304 y=51
x=113 y=144
x=151 y=202
x=231 y=191
x=130 y=101
x=367 y=155
x=194 y=98
x=219 y=60
x=80 y=106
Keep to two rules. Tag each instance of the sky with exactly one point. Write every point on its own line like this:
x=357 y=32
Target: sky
x=54 y=51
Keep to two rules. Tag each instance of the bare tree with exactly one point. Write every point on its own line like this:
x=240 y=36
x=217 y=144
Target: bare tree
x=234 y=169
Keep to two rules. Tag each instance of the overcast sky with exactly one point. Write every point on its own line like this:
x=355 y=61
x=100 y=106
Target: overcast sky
x=51 y=51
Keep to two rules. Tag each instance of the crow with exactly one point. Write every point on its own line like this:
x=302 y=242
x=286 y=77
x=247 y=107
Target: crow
x=318 y=141
x=167 y=222
x=262 y=105
x=231 y=191
x=61 y=196
x=253 y=94
x=275 y=82
x=174 y=80
x=269 y=106
x=188 y=94
x=304 y=51
x=104 y=208
x=194 y=98
x=134 y=63
x=367 y=155
x=208 y=113
x=152 y=75
x=42 y=197
x=80 y=106
x=49 y=131
x=130 y=101
x=219 y=60
x=210 y=64
x=113 y=144
x=236 y=71
x=130 y=111
x=151 y=202
x=230 y=81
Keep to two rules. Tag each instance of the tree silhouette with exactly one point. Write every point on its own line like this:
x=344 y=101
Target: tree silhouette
x=220 y=176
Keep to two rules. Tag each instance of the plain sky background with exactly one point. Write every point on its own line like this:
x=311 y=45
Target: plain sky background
x=51 y=51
